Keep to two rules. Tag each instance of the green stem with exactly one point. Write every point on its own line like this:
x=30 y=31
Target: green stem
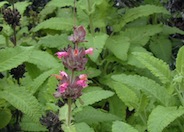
x=142 y=118
x=90 y=19
x=69 y=111
x=74 y=14
x=179 y=95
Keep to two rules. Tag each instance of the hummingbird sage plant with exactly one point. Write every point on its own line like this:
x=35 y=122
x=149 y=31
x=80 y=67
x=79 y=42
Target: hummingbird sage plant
x=74 y=59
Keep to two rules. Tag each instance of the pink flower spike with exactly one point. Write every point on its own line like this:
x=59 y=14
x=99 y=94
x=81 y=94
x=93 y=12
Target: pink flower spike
x=89 y=51
x=82 y=83
x=63 y=87
x=62 y=73
x=61 y=54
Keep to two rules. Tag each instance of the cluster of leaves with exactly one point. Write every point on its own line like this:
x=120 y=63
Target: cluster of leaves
x=136 y=82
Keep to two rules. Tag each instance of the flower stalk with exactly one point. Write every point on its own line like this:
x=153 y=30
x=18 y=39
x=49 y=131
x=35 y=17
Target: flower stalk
x=74 y=59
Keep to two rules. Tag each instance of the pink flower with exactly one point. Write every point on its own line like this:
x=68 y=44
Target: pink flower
x=79 y=35
x=61 y=54
x=63 y=87
x=89 y=51
x=62 y=73
x=82 y=83
x=83 y=77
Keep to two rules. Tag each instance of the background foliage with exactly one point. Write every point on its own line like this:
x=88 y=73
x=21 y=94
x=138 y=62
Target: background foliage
x=136 y=72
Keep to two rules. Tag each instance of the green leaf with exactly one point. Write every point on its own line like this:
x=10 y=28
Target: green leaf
x=141 y=11
x=2 y=41
x=161 y=47
x=94 y=96
x=91 y=72
x=56 y=41
x=97 y=42
x=150 y=87
x=21 y=6
x=119 y=46
x=140 y=35
x=119 y=126
x=126 y=95
x=27 y=125
x=55 y=24
x=46 y=11
x=91 y=115
x=60 y=3
x=5 y=116
x=157 y=67
x=89 y=8
x=180 y=61
x=37 y=82
x=12 y=57
x=2 y=3
x=23 y=100
x=83 y=127
x=171 y=30
x=43 y=60
x=161 y=117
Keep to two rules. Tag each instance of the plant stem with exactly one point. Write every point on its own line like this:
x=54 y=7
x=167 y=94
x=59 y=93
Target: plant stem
x=179 y=95
x=14 y=36
x=14 y=27
x=90 y=18
x=74 y=14
x=69 y=111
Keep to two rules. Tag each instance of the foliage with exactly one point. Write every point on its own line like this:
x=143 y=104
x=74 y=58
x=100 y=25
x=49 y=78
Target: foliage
x=136 y=72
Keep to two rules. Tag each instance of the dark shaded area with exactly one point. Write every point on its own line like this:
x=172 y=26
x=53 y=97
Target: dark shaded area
x=51 y=121
x=18 y=72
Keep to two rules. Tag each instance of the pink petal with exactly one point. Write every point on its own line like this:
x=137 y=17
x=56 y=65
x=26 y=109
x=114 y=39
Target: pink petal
x=89 y=51
x=61 y=54
x=63 y=87
x=82 y=83
x=83 y=77
x=62 y=73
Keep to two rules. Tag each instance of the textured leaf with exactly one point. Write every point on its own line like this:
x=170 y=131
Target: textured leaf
x=60 y=3
x=117 y=107
x=132 y=60
x=91 y=72
x=46 y=11
x=55 y=24
x=91 y=115
x=57 y=41
x=119 y=126
x=43 y=60
x=83 y=127
x=23 y=100
x=28 y=125
x=140 y=35
x=180 y=61
x=21 y=6
x=5 y=116
x=37 y=82
x=171 y=30
x=126 y=95
x=141 y=11
x=119 y=46
x=97 y=42
x=157 y=67
x=161 y=47
x=83 y=4
x=150 y=87
x=2 y=3
x=88 y=98
x=161 y=117
x=12 y=57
